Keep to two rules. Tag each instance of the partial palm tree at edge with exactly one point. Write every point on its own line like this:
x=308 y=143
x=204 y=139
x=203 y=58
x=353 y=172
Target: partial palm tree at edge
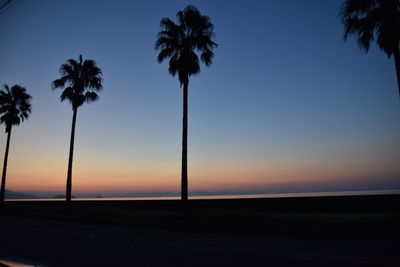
x=180 y=42
x=371 y=20
x=81 y=80
x=15 y=107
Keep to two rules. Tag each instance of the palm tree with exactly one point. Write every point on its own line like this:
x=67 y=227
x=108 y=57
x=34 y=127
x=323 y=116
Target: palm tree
x=180 y=43
x=15 y=107
x=81 y=81
x=371 y=20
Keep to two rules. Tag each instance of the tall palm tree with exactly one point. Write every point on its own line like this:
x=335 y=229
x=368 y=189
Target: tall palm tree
x=81 y=80
x=182 y=43
x=15 y=107
x=371 y=20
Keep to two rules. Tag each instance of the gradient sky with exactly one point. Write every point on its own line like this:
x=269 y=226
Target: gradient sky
x=287 y=105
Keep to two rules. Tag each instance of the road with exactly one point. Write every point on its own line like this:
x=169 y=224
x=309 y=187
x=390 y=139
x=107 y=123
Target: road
x=55 y=243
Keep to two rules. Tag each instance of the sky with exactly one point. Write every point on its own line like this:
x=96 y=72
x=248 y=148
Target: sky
x=287 y=105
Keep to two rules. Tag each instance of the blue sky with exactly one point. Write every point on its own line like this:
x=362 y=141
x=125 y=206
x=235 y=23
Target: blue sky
x=286 y=99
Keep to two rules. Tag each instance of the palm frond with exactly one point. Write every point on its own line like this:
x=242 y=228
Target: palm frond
x=207 y=56
x=164 y=54
x=67 y=94
x=91 y=97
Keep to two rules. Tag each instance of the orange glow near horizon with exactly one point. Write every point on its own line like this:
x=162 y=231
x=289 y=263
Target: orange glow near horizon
x=213 y=178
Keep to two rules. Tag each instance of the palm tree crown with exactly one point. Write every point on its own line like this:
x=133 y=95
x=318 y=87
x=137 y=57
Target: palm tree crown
x=15 y=105
x=373 y=20
x=81 y=81
x=179 y=42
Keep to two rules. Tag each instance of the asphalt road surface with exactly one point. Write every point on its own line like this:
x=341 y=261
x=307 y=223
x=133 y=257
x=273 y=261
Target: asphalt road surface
x=55 y=243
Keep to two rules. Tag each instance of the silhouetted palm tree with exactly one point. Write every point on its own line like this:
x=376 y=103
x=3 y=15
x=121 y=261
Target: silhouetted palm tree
x=15 y=107
x=180 y=43
x=80 y=81
x=371 y=20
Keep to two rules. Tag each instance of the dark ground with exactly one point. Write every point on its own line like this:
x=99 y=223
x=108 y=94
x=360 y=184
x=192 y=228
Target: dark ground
x=323 y=231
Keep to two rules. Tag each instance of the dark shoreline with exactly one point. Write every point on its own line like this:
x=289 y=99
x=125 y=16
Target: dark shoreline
x=375 y=215
x=340 y=204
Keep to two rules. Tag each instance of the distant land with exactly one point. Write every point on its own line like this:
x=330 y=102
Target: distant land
x=17 y=195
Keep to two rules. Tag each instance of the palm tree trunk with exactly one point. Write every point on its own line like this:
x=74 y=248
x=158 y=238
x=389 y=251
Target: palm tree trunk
x=397 y=64
x=184 y=183
x=3 y=178
x=70 y=159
